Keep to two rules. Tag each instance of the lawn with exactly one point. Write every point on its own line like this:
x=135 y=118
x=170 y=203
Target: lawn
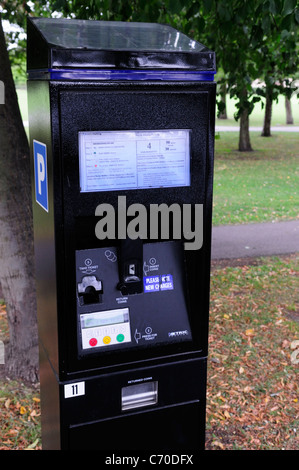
x=256 y=186
x=261 y=185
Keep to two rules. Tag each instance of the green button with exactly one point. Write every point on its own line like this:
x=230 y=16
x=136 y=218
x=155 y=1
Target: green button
x=120 y=338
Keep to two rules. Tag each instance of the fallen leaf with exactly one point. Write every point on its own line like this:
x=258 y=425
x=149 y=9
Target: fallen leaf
x=249 y=332
x=33 y=445
x=7 y=403
x=241 y=370
x=218 y=444
x=274 y=408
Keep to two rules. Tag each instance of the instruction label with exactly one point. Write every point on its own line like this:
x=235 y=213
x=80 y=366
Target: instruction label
x=158 y=283
x=114 y=160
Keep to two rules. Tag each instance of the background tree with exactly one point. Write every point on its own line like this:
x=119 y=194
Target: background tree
x=226 y=27
x=16 y=244
x=278 y=60
x=17 y=273
x=252 y=40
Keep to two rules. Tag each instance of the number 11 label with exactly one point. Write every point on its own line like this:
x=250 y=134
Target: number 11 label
x=74 y=390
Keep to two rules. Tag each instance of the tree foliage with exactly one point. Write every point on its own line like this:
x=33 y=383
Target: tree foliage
x=252 y=39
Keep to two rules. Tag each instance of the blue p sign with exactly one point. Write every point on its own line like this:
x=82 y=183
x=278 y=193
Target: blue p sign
x=40 y=174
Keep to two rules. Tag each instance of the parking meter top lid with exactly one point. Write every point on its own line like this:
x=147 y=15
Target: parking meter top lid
x=67 y=43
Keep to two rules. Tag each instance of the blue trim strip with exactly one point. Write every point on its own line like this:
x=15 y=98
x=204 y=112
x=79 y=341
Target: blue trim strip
x=94 y=74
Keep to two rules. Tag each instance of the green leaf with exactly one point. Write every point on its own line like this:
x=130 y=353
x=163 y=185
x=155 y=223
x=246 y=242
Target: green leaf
x=200 y=24
x=266 y=23
x=223 y=12
x=288 y=7
x=175 y=6
x=285 y=34
x=286 y=23
x=207 y=5
x=272 y=7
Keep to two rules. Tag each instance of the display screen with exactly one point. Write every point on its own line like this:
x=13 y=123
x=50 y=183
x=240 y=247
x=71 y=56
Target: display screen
x=116 y=160
x=90 y=320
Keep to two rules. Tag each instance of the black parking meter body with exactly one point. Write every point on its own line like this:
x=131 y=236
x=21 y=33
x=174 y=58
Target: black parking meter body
x=122 y=136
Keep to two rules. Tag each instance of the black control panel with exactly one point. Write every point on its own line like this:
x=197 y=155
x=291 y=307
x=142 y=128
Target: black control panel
x=122 y=296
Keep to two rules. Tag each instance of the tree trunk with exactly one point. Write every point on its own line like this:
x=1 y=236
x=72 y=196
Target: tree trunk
x=266 y=132
x=16 y=242
x=289 y=116
x=223 y=113
x=244 y=137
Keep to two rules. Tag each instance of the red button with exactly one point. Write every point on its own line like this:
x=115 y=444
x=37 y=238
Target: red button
x=93 y=342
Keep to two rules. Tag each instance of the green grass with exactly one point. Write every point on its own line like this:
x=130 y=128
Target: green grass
x=256 y=186
x=20 y=416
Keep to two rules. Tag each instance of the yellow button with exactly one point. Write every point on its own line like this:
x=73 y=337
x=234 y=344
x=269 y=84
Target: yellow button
x=106 y=339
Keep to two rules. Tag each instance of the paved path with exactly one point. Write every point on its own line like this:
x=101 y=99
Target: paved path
x=253 y=240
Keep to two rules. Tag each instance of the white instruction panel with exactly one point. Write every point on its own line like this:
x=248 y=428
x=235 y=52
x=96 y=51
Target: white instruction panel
x=115 y=160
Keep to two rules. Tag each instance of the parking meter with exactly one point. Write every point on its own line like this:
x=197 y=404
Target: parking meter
x=122 y=135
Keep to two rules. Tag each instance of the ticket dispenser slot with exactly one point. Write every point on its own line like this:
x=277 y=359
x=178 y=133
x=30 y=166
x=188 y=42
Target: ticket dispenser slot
x=90 y=290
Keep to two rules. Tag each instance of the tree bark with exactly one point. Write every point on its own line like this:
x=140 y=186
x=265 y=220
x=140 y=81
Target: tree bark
x=289 y=115
x=266 y=132
x=244 y=137
x=16 y=242
x=223 y=114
